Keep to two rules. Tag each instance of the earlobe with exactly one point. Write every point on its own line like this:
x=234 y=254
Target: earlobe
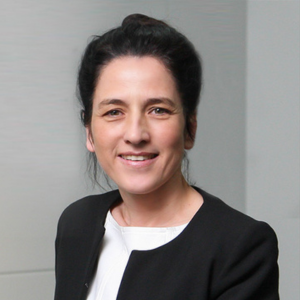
x=190 y=136
x=89 y=140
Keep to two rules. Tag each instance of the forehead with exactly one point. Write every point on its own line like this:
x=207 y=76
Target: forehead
x=130 y=73
x=146 y=63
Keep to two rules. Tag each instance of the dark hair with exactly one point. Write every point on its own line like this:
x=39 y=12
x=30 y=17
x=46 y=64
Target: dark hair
x=140 y=35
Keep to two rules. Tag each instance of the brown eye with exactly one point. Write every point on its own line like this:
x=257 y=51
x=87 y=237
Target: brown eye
x=114 y=112
x=159 y=111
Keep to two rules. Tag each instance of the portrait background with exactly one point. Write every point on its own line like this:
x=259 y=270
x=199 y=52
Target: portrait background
x=247 y=144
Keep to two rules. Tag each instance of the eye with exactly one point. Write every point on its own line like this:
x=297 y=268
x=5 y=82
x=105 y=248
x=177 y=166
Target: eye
x=113 y=113
x=160 y=111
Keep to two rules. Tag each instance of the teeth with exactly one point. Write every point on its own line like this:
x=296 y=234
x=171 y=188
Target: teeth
x=138 y=157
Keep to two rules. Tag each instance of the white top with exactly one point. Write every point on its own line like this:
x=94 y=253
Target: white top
x=118 y=242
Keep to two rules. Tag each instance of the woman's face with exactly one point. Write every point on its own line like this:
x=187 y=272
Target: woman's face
x=137 y=129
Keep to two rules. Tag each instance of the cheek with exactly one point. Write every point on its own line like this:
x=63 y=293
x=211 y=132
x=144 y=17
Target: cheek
x=106 y=140
x=171 y=136
x=95 y=137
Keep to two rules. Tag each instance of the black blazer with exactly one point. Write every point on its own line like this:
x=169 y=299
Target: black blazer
x=222 y=254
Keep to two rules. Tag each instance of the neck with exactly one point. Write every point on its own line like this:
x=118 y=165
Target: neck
x=170 y=205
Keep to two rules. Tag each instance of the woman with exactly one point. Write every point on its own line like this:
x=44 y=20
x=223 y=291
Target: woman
x=156 y=237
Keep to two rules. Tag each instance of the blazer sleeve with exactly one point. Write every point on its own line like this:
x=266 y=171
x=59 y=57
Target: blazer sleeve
x=250 y=271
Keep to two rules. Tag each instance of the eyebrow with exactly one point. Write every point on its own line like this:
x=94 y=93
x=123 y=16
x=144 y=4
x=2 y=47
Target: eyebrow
x=110 y=102
x=148 y=102
x=160 y=100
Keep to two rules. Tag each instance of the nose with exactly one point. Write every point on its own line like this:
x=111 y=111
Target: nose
x=136 y=130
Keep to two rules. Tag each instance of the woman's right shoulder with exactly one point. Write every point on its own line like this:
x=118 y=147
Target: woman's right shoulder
x=89 y=207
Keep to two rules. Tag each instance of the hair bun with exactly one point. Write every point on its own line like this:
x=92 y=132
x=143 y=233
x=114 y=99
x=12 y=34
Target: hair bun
x=140 y=20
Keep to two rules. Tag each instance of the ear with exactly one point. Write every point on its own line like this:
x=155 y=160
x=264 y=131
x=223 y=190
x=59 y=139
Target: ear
x=190 y=138
x=89 y=139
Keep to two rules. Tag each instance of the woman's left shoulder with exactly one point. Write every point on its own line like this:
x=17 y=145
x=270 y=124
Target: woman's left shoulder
x=244 y=252
x=232 y=223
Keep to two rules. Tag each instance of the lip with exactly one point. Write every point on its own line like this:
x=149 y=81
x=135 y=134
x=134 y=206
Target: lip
x=138 y=159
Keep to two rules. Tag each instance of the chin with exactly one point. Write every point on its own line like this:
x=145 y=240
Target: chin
x=140 y=188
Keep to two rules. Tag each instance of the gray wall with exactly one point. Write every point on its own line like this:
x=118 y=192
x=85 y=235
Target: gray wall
x=42 y=155
x=273 y=120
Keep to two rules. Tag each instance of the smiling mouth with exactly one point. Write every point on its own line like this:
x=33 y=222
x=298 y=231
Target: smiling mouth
x=138 y=157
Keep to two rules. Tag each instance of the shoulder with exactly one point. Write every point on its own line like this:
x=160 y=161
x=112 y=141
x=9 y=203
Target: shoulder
x=87 y=210
x=229 y=225
x=243 y=250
